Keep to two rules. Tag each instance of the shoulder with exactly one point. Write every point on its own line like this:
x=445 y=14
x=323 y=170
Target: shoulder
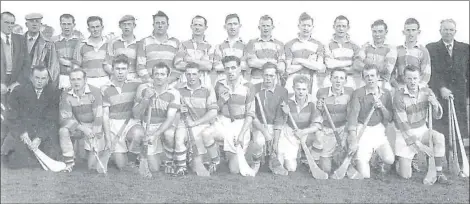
x=290 y=43
x=359 y=92
x=323 y=91
x=316 y=42
x=276 y=41
x=94 y=90
x=348 y=90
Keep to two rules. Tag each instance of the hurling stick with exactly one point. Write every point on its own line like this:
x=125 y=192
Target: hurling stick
x=464 y=172
x=49 y=163
x=314 y=169
x=341 y=171
x=431 y=175
x=450 y=154
x=332 y=124
x=144 y=164
x=454 y=165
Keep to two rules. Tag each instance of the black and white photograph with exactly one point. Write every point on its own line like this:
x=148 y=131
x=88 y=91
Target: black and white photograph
x=235 y=101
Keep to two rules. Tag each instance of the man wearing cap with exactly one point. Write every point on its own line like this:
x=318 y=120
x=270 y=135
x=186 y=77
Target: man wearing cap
x=196 y=50
x=126 y=44
x=92 y=54
x=65 y=45
x=41 y=51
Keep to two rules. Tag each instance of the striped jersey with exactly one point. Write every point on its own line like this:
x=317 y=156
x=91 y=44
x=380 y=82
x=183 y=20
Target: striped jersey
x=310 y=49
x=338 y=106
x=65 y=49
x=91 y=58
x=302 y=115
x=75 y=109
x=200 y=100
x=241 y=102
x=120 y=100
x=271 y=49
x=170 y=98
x=384 y=56
x=418 y=56
x=338 y=54
x=361 y=103
x=195 y=50
x=411 y=110
x=271 y=100
x=226 y=49
x=119 y=46
x=152 y=51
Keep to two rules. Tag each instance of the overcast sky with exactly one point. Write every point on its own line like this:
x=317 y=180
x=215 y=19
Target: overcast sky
x=285 y=14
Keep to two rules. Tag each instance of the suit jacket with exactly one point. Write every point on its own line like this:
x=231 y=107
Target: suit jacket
x=19 y=61
x=44 y=53
x=451 y=72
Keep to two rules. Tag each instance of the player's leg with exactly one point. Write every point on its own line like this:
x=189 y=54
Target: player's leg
x=134 y=138
x=198 y=150
x=439 y=153
x=288 y=149
x=212 y=148
x=258 y=145
x=328 y=140
x=66 y=146
x=365 y=150
x=404 y=167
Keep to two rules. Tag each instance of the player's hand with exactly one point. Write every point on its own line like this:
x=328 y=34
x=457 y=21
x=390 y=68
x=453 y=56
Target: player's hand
x=4 y=89
x=88 y=133
x=411 y=139
x=320 y=104
x=35 y=144
x=285 y=108
x=446 y=93
x=433 y=100
x=300 y=133
x=12 y=86
x=184 y=109
x=25 y=138
x=148 y=93
x=267 y=135
x=191 y=123
x=378 y=104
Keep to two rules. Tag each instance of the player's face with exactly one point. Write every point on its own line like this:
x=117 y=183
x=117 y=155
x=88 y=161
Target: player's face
x=192 y=75
x=266 y=27
x=300 y=90
x=448 y=31
x=198 y=26
x=379 y=33
x=40 y=79
x=232 y=70
x=341 y=27
x=412 y=79
x=34 y=25
x=411 y=32
x=160 y=25
x=338 y=79
x=160 y=76
x=120 y=71
x=67 y=26
x=127 y=27
x=269 y=77
x=77 y=80
x=306 y=27
x=232 y=26
x=370 y=77
x=95 y=28
x=8 y=22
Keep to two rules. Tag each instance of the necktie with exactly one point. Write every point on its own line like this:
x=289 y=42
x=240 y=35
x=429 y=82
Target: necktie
x=8 y=40
x=449 y=49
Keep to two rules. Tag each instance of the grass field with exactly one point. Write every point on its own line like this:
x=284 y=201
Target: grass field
x=81 y=186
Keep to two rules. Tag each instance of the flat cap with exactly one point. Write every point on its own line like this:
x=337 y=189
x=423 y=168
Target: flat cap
x=33 y=16
x=127 y=18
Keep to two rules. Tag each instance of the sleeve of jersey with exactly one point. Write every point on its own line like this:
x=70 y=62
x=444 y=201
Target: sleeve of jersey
x=98 y=112
x=77 y=54
x=250 y=102
x=105 y=96
x=176 y=102
x=425 y=67
x=279 y=118
x=211 y=101
x=391 y=59
x=67 y=120
x=250 y=50
x=399 y=112
x=288 y=51
x=141 y=59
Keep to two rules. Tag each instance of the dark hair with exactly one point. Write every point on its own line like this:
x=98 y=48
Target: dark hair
x=121 y=59
x=267 y=17
x=94 y=18
x=232 y=15
x=66 y=15
x=337 y=70
x=410 y=21
x=300 y=79
x=341 y=17
x=378 y=23
x=39 y=68
x=161 y=14
x=160 y=65
x=368 y=67
x=199 y=16
x=304 y=16
x=8 y=13
x=412 y=68
x=269 y=65
x=78 y=70
x=231 y=58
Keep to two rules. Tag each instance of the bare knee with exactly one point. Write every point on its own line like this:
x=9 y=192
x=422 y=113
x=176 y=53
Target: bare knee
x=168 y=137
x=258 y=141
x=136 y=133
x=207 y=137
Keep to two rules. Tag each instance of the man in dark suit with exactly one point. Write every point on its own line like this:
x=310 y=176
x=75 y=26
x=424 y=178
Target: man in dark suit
x=13 y=60
x=450 y=72
x=40 y=50
x=33 y=114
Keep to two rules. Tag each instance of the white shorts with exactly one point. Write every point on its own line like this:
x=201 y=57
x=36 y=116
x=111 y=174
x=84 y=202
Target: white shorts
x=373 y=138
x=405 y=151
x=197 y=132
x=64 y=81
x=289 y=144
x=156 y=147
x=115 y=126
x=96 y=143
x=229 y=131
x=290 y=83
x=98 y=82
